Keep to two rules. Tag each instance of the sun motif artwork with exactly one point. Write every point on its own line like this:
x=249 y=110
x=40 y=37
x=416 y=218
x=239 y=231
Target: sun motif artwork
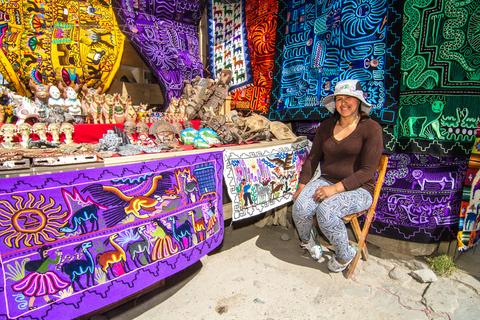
x=30 y=221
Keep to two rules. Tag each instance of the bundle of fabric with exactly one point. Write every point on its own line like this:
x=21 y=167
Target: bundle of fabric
x=420 y=198
x=322 y=42
x=227 y=38
x=469 y=226
x=440 y=83
x=165 y=34
x=261 y=24
x=75 y=41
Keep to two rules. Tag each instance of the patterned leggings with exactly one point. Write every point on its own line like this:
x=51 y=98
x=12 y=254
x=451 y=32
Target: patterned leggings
x=329 y=214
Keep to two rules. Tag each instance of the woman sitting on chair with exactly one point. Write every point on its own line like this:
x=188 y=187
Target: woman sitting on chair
x=348 y=147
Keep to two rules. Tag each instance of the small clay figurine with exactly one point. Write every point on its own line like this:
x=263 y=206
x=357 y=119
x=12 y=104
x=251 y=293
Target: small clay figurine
x=129 y=128
x=41 y=94
x=73 y=105
x=164 y=133
x=67 y=129
x=108 y=108
x=54 y=129
x=8 y=132
x=40 y=129
x=24 y=130
x=56 y=105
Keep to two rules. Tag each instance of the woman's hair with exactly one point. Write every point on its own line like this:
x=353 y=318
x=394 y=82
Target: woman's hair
x=362 y=114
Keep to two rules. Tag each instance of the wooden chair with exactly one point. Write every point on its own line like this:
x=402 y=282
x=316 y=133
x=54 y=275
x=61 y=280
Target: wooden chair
x=361 y=233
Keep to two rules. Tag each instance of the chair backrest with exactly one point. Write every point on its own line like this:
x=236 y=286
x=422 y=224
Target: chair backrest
x=382 y=169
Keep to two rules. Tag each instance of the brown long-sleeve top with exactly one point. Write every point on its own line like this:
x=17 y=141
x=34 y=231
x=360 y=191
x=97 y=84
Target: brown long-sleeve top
x=353 y=160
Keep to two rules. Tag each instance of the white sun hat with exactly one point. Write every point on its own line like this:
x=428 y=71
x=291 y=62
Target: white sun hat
x=350 y=88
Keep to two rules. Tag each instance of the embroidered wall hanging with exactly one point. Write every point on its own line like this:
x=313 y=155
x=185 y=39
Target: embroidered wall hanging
x=328 y=41
x=420 y=198
x=227 y=39
x=469 y=224
x=440 y=76
x=165 y=34
x=261 y=23
x=305 y=128
x=262 y=179
x=74 y=41
x=74 y=242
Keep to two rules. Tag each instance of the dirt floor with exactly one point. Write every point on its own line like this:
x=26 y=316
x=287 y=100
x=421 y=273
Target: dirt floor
x=261 y=273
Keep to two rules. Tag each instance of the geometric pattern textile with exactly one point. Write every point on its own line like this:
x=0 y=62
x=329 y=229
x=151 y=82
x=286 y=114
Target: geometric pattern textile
x=440 y=76
x=165 y=34
x=48 y=41
x=420 y=198
x=227 y=39
x=261 y=179
x=74 y=242
x=328 y=41
x=261 y=22
x=469 y=225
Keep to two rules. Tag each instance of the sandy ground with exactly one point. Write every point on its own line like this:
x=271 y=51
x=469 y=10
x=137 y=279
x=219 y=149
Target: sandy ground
x=257 y=275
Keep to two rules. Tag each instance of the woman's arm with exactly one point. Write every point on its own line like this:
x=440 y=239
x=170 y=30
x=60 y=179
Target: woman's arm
x=316 y=154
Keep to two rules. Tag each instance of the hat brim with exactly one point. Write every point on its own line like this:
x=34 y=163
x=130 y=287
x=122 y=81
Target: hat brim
x=329 y=102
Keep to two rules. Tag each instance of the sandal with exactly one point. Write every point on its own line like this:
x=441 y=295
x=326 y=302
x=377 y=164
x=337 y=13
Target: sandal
x=315 y=250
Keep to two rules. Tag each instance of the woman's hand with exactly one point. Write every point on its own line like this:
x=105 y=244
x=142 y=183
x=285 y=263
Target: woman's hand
x=323 y=193
x=299 y=190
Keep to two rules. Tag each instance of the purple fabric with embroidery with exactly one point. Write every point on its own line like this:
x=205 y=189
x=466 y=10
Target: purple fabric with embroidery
x=165 y=33
x=111 y=232
x=420 y=198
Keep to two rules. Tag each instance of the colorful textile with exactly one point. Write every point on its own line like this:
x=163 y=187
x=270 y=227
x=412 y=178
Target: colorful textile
x=420 y=198
x=262 y=179
x=261 y=23
x=75 y=40
x=305 y=128
x=227 y=39
x=111 y=232
x=469 y=225
x=165 y=34
x=328 y=41
x=440 y=83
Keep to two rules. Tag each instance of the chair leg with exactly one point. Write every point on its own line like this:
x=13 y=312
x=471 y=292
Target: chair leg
x=359 y=234
x=353 y=265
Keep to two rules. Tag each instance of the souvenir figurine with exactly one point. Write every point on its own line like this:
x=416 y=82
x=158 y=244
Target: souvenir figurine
x=56 y=105
x=129 y=128
x=97 y=108
x=73 y=105
x=24 y=130
x=141 y=112
x=40 y=129
x=8 y=132
x=130 y=113
x=54 y=129
x=67 y=129
x=41 y=94
x=118 y=110
x=164 y=133
x=24 y=108
x=108 y=108
x=142 y=135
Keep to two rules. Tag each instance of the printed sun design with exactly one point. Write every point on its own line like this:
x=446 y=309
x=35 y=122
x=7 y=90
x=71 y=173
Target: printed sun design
x=30 y=222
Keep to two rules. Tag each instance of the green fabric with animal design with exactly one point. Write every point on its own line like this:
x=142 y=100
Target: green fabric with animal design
x=440 y=76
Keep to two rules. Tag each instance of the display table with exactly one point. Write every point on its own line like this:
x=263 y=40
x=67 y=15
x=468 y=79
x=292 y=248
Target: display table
x=75 y=239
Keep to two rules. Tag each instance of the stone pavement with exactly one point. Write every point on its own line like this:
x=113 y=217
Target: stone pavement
x=257 y=275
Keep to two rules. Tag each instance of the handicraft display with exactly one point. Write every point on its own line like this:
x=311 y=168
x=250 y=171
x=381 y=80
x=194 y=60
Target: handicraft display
x=73 y=41
x=420 y=198
x=165 y=33
x=469 y=225
x=74 y=242
x=261 y=23
x=440 y=82
x=228 y=41
x=259 y=180
x=328 y=41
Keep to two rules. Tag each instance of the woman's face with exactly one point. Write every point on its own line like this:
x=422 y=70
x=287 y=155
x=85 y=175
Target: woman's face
x=346 y=105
